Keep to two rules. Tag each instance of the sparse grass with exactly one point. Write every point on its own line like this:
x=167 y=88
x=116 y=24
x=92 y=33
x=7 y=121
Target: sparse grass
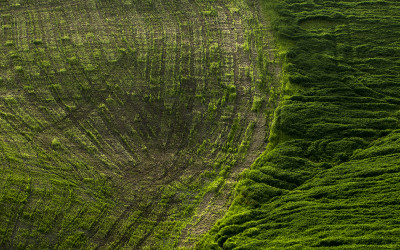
x=117 y=118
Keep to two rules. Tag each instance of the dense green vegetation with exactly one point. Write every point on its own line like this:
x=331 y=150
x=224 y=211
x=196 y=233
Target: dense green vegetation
x=124 y=123
x=330 y=175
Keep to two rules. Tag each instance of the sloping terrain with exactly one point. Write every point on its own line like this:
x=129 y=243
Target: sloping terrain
x=330 y=177
x=125 y=124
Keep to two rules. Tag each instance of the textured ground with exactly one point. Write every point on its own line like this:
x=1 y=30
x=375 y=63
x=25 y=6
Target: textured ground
x=330 y=176
x=124 y=124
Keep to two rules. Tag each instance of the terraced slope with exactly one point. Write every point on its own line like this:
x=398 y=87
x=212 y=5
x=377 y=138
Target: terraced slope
x=124 y=124
x=331 y=176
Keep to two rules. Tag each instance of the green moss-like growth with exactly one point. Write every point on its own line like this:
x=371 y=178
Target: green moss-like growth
x=123 y=124
x=329 y=178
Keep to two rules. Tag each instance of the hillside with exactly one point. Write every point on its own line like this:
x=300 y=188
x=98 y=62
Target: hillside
x=125 y=124
x=330 y=175
x=208 y=124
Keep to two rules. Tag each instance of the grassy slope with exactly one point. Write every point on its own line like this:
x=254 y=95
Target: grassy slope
x=126 y=123
x=331 y=175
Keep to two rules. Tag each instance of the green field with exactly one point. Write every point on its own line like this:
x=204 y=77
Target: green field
x=330 y=174
x=208 y=124
x=125 y=124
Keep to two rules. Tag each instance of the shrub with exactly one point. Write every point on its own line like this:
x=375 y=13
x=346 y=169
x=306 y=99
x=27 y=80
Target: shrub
x=56 y=144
